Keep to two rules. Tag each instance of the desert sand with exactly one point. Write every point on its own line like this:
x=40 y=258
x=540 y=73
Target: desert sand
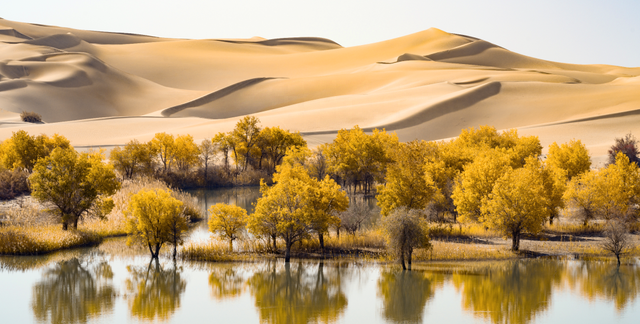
x=102 y=89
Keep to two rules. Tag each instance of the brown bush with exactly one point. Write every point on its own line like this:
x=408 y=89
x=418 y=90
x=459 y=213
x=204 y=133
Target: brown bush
x=31 y=117
x=13 y=184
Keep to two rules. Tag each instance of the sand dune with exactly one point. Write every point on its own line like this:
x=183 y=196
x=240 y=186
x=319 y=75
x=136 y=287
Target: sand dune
x=103 y=89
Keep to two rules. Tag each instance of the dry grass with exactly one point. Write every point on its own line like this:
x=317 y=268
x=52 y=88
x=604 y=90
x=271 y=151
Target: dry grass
x=450 y=251
x=572 y=228
x=31 y=240
x=460 y=231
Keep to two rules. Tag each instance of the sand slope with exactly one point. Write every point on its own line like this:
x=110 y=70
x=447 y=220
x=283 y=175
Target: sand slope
x=103 y=89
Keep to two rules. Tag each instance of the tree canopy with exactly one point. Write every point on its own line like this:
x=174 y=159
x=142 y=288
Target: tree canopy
x=155 y=218
x=72 y=182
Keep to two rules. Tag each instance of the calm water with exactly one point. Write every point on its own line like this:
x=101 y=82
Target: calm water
x=115 y=284
x=107 y=284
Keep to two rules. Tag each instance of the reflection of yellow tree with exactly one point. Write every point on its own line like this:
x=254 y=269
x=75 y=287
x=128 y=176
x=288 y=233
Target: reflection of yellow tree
x=156 y=292
x=225 y=282
x=296 y=294
x=405 y=293
x=71 y=293
x=512 y=292
x=604 y=280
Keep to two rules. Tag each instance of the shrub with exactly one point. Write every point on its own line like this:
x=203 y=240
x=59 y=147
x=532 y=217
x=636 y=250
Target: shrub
x=31 y=117
x=13 y=184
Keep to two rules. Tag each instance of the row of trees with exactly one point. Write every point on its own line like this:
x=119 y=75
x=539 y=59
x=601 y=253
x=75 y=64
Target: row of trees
x=502 y=181
x=248 y=145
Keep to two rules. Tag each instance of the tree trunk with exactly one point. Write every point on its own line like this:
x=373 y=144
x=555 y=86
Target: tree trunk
x=230 y=245
x=321 y=239
x=409 y=253
x=175 y=251
x=75 y=223
x=402 y=260
x=287 y=252
x=275 y=247
x=618 y=257
x=65 y=226
x=338 y=232
x=515 y=239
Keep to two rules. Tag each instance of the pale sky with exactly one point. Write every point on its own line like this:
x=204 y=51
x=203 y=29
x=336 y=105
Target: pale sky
x=571 y=31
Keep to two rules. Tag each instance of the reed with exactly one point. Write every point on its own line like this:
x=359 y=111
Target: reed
x=31 y=240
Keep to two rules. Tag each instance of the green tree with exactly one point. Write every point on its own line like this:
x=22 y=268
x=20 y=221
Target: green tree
x=72 y=182
x=405 y=231
x=228 y=221
x=406 y=185
x=156 y=218
x=573 y=157
x=517 y=204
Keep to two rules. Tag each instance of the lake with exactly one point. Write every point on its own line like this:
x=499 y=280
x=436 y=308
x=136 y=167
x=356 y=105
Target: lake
x=109 y=284
x=112 y=283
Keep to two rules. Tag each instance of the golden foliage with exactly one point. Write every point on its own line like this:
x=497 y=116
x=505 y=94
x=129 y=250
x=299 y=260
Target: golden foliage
x=227 y=221
x=156 y=218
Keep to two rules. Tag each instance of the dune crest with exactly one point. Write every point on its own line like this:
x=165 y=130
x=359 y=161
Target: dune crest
x=104 y=89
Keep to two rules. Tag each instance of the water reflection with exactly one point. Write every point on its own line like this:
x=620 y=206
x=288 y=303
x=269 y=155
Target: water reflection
x=72 y=292
x=510 y=292
x=243 y=197
x=155 y=292
x=226 y=282
x=298 y=293
x=606 y=281
x=404 y=294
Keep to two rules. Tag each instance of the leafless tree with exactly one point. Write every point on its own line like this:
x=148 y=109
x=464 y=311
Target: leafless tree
x=358 y=213
x=617 y=239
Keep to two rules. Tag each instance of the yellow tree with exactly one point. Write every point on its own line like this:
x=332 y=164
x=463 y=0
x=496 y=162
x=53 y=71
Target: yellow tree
x=283 y=210
x=223 y=146
x=227 y=221
x=274 y=143
x=296 y=205
x=245 y=136
x=186 y=152
x=554 y=181
x=156 y=218
x=164 y=146
x=134 y=158
x=573 y=157
x=327 y=200
x=611 y=192
x=207 y=155
x=405 y=183
x=72 y=182
x=23 y=151
x=477 y=181
x=358 y=158
x=517 y=204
